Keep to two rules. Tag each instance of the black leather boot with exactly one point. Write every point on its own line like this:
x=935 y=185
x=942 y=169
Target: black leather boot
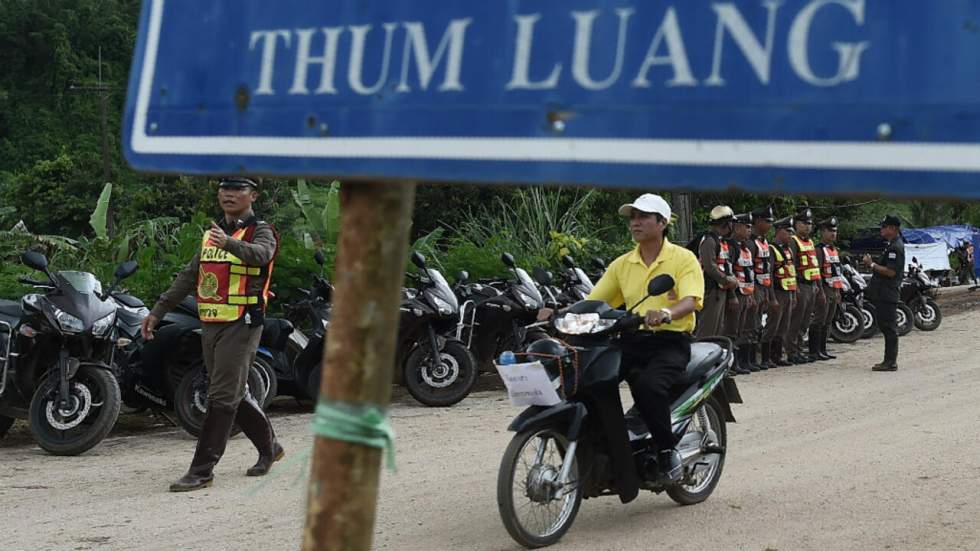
x=257 y=428
x=814 y=343
x=210 y=447
x=765 y=348
x=753 y=348
x=823 y=346
x=743 y=357
x=777 y=354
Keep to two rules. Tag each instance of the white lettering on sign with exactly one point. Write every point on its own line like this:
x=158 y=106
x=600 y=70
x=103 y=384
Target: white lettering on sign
x=299 y=50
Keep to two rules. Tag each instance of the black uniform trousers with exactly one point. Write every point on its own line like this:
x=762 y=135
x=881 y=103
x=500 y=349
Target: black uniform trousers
x=652 y=363
x=889 y=328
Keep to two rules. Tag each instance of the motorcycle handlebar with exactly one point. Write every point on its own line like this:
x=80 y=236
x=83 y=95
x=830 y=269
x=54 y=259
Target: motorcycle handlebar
x=34 y=282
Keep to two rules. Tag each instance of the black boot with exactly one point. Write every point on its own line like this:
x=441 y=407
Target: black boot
x=743 y=358
x=777 y=354
x=765 y=348
x=257 y=428
x=814 y=343
x=210 y=448
x=753 y=348
x=823 y=346
x=669 y=467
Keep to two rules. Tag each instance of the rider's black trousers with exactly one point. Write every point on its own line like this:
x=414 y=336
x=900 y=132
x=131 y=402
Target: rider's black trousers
x=652 y=363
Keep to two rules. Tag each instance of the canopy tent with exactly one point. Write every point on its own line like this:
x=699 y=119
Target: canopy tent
x=932 y=256
x=953 y=236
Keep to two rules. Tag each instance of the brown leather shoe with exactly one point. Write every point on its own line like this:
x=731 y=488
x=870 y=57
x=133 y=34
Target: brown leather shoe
x=210 y=447
x=885 y=366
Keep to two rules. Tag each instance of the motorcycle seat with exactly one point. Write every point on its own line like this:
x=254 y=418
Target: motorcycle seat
x=11 y=309
x=704 y=356
x=128 y=300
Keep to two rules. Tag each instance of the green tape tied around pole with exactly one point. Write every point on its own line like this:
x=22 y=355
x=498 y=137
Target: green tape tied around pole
x=366 y=425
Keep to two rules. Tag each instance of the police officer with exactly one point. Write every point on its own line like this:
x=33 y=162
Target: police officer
x=784 y=290
x=886 y=279
x=833 y=282
x=765 y=298
x=808 y=279
x=738 y=323
x=231 y=275
x=719 y=279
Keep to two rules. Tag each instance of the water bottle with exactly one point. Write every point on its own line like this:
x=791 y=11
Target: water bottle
x=507 y=358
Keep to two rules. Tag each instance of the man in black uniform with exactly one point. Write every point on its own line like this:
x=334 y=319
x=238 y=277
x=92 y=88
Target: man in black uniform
x=886 y=279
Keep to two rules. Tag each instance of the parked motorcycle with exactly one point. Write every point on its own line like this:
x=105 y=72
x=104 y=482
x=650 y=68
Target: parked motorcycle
x=848 y=323
x=919 y=292
x=904 y=319
x=56 y=351
x=313 y=313
x=437 y=368
x=856 y=285
x=585 y=446
x=499 y=315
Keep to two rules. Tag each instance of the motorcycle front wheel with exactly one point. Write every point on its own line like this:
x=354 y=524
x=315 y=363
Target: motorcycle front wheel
x=535 y=509
x=928 y=316
x=93 y=406
x=904 y=319
x=442 y=382
x=848 y=325
x=869 y=314
x=191 y=399
x=269 y=380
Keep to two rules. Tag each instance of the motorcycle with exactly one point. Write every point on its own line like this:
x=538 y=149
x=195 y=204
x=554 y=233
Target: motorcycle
x=919 y=292
x=855 y=287
x=56 y=351
x=437 y=368
x=848 y=323
x=904 y=319
x=167 y=373
x=585 y=446
x=501 y=315
x=312 y=311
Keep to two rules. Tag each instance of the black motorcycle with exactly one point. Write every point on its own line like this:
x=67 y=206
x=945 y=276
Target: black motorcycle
x=585 y=446
x=849 y=321
x=500 y=314
x=437 y=368
x=855 y=287
x=919 y=292
x=56 y=351
x=312 y=314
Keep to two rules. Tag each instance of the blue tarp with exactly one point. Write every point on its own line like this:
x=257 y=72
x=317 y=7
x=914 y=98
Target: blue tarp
x=953 y=236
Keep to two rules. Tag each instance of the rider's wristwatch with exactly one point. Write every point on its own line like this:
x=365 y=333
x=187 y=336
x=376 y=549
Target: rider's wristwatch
x=669 y=317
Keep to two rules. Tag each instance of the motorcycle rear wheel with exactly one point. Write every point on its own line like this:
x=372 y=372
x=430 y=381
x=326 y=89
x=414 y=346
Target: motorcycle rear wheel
x=531 y=515
x=904 y=319
x=870 y=316
x=848 y=326
x=928 y=316
x=269 y=380
x=444 y=384
x=191 y=399
x=95 y=404
x=699 y=488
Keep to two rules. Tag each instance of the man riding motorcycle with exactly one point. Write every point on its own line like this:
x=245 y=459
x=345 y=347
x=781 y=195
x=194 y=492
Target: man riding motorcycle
x=654 y=358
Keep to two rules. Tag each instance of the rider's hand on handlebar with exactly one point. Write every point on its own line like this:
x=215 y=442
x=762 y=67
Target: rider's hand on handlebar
x=147 y=326
x=545 y=314
x=654 y=318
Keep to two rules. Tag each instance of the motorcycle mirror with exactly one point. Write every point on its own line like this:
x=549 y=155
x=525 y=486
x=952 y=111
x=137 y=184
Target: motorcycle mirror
x=542 y=276
x=660 y=285
x=915 y=260
x=418 y=260
x=462 y=277
x=508 y=260
x=599 y=263
x=35 y=260
x=568 y=261
x=126 y=269
x=319 y=258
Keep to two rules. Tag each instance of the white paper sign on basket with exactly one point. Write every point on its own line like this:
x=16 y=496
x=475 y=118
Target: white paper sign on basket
x=528 y=384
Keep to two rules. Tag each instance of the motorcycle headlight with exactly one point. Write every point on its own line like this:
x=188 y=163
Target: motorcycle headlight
x=68 y=322
x=102 y=325
x=582 y=324
x=444 y=307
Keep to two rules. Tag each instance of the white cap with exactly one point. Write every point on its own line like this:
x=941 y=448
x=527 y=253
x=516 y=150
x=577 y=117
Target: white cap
x=648 y=202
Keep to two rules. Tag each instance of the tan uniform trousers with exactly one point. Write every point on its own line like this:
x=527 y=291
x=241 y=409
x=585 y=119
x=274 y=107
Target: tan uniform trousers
x=712 y=317
x=823 y=314
x=735 y=322
x=800 y=320
x=777 y=324
x=229 y=351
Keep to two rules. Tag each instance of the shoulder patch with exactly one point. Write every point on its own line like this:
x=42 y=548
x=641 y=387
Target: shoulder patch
x=892 y=256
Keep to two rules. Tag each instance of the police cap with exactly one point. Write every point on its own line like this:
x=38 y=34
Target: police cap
x=764 y=213
x=891 y=220
x=721 y=214
x=745 y=218
x=804 y=215
x=783 y=223
x=238 y=182
x=830 y=223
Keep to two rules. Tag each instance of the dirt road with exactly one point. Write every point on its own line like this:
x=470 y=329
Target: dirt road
x=824 y=456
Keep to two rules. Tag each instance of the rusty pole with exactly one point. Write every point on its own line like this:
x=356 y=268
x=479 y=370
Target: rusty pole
x=358 y=359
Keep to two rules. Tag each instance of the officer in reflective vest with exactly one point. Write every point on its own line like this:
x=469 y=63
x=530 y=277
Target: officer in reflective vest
x=808 y=278
x=719 y=280
x=231 y=275
x=833 y=281
x=765 y=299
x=784 y=289
x=739 y=326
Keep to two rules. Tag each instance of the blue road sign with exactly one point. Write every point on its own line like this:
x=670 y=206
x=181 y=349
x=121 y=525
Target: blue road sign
x=798 y=95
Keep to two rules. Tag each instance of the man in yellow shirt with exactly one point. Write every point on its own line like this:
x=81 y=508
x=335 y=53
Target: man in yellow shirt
x=655 y=357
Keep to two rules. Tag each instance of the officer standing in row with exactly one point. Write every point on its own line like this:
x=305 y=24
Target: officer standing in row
x=231 y=275
x=833 y=282
x=784 y=290
x=886 y=279
x=765 y=299
x=740 y=325
x=808 y=278
x=719 y=279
